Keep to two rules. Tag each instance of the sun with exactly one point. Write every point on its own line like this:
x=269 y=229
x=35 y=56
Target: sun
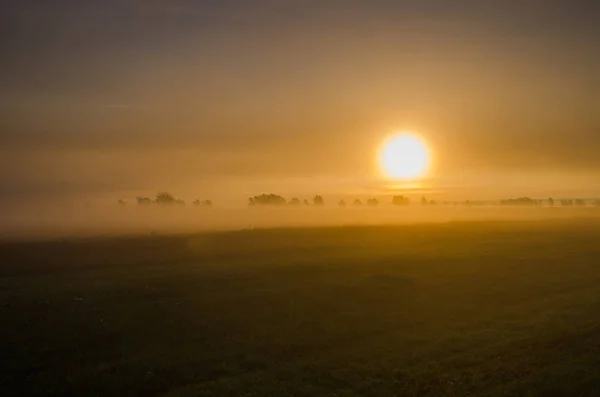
x=404 y=156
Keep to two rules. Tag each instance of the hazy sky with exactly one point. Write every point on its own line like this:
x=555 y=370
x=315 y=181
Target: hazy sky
x=229 y=98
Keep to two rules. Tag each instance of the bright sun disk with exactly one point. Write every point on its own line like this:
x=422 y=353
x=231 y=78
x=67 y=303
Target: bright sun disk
x=404 y=157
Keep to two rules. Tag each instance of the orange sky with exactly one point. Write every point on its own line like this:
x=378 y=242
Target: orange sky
x=224 y=99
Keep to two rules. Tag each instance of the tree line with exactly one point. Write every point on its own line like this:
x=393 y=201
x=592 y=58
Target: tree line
x=165 y=198
x=271 y=199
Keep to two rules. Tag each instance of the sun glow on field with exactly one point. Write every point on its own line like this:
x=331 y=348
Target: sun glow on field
x=404 y=157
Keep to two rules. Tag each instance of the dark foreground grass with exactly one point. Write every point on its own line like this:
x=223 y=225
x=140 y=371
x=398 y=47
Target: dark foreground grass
x=482 y=309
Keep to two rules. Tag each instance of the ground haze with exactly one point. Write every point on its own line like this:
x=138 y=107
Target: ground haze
x=460 y=308
x=53 y=222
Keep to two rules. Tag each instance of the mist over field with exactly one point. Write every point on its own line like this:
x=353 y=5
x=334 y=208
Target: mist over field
x=56 y=221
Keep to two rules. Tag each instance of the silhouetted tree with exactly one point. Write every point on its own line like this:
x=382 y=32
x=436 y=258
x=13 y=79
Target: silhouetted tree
x=306 y=202
x=551 y=202
x=122 y=202
x=580 y=203
x=357 y=202
x=519 y=201
x=400 y=200
x=267 y=199
x=342 y=203
x=318 y=200
x=424 y=201
x=373 y=202
x=295 y=201
x=164 y=198
x=143 y=200
x=566 y=203
x=202 y=203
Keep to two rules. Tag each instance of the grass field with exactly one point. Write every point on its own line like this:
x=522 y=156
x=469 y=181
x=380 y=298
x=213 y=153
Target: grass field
x=454 y=309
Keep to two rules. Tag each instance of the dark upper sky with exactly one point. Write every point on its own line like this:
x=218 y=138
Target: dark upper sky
x=114 y=96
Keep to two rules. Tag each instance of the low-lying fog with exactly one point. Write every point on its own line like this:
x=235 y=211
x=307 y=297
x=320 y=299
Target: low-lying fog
x=41 y=222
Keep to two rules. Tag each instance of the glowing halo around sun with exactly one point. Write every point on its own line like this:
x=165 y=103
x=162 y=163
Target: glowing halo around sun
x=404 y=157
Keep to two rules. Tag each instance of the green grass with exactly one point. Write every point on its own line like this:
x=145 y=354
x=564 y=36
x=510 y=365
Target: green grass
x=457 y=309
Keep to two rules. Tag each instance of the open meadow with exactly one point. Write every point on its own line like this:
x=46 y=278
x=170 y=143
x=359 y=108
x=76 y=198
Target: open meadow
x=433 y=309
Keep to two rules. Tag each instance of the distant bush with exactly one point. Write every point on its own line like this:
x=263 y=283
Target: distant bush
x=318 y=200
x=266 y=199
x=373 y=202
x=144 y=200
x=521 y=201
x=202 y=203
x=165 y=198
x=400 y=200
x=357 y=202
x=295 y=201
x=342 y=203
